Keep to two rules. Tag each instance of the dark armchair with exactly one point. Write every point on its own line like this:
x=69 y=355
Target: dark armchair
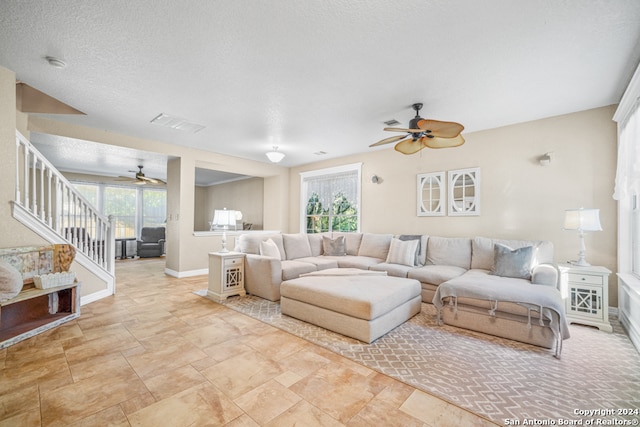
x=151 y=243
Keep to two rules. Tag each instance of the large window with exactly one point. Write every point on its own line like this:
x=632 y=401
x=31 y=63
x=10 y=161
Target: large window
x=122 y=204
x=131 y=207
x=627 y=190
x=330 y=199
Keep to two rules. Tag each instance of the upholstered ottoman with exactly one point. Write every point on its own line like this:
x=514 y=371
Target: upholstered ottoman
x=359 y=304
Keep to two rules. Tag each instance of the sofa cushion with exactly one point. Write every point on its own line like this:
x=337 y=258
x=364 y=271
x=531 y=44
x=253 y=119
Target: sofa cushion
x=296 y=245
x=454 y=251
x=352 y=241
x=315 y=243
x=395 y=270
x=269 y=249
x=321 y=262
x=512 y=262
x=334 y=246
x=403 y=252
x=292 y=269
x=354 y=261
x=435 y=274
x=375 y=245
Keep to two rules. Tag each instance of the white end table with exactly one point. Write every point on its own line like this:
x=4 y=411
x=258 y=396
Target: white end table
x=586 y=294
x=226 y=275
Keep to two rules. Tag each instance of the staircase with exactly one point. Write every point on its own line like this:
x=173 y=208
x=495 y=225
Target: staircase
x=46 y=202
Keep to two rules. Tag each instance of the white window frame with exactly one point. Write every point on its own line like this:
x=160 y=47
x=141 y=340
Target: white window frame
x=329 y=171
x=628 y=209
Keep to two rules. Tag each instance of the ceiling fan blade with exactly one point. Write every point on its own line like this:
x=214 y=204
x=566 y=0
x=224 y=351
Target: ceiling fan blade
x=444 y=142
x=125 y=178
x=403 y=130
x=441 y=129
x=410 y=146
x=151 y=180
x=388 y=140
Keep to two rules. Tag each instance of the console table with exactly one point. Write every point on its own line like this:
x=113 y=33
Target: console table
x=34 y=311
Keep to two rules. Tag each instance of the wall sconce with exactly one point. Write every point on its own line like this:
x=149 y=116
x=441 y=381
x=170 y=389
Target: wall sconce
x=545 y=159
x=376 y=179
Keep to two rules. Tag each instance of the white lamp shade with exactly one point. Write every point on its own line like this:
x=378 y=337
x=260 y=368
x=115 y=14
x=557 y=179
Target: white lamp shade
x=582 y=219
x=224 y=218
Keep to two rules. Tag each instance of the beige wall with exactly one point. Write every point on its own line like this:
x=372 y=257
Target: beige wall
x=245 y=196
x=520 y=198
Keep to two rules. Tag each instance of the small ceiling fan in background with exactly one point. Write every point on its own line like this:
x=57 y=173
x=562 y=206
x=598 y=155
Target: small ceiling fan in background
x=140 y=178
x=424 y=134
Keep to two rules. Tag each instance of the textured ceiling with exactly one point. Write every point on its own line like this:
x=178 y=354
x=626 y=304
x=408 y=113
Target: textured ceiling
x=313 y=76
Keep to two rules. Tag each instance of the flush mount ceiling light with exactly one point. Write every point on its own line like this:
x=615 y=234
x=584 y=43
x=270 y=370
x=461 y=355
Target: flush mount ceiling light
x=176 y=123
x=55 y=62
x=275 y=156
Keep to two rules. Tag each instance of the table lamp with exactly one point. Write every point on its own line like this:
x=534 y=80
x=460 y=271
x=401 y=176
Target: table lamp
x=582 y=220
x=223 y=218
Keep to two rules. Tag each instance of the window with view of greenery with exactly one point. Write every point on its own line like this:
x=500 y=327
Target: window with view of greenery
x=331 y=200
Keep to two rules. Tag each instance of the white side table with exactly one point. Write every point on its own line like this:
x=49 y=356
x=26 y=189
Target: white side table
x=586 y=294
x=226 y=275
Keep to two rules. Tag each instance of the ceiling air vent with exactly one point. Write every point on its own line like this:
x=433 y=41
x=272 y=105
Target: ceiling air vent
x=176 y=123
x=392 y=122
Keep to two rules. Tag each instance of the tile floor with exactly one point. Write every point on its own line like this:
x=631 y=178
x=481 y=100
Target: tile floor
x=156 y=354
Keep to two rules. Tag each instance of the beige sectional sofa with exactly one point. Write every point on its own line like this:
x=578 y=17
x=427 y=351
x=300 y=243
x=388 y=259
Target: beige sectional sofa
x=461 y=276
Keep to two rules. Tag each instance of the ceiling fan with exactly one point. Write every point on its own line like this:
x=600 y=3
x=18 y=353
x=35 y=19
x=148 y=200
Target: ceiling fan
x=424 y=133
x=140 y=178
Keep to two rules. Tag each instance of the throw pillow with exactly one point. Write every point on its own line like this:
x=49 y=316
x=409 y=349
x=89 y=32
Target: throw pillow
x=334 y=247
x=269 y=249
x=10 y=281
x=402 y=252
x=416 y=237
x=509 y=262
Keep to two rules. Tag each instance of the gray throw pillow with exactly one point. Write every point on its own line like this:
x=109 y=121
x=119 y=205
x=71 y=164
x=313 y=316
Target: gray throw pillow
x=334 y=247
x=509 y=262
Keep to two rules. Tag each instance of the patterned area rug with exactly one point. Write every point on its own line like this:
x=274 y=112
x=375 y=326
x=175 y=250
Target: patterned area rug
x=497 y=378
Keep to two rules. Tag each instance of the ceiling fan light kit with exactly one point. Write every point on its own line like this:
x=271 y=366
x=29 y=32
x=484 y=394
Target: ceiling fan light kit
x=424 y=134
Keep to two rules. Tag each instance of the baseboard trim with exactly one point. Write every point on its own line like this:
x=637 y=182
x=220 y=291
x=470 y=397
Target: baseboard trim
x=188 y=273
x=88 y=299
